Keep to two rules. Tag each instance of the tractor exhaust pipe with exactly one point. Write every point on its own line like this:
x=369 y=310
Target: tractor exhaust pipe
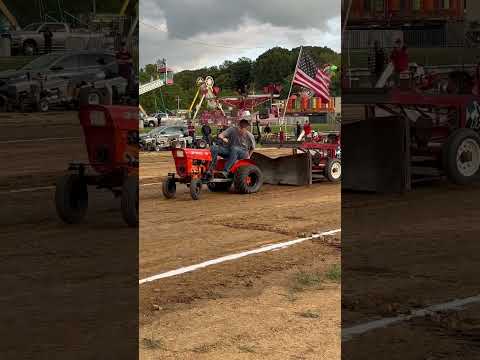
x=285 y=170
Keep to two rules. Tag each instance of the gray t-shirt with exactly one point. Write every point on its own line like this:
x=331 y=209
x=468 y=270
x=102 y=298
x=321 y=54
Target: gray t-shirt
x=235 y=138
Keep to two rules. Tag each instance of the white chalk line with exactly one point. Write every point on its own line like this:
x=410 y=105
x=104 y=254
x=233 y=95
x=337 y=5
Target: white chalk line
x=51 y=187
x=236 y=256
x=457 y=304
x=37 y=140
x=150 y=184
x=29 y=189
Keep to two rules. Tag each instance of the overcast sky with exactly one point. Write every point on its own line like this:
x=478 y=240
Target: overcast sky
x=192 y=34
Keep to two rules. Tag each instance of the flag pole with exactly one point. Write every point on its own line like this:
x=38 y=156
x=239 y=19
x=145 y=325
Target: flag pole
x=291 y=86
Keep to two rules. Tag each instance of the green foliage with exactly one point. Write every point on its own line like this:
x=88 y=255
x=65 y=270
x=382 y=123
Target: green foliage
x=273 y=66
x=334 y=273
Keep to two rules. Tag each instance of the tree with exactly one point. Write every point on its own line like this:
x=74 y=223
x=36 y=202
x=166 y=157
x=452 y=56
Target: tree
x=241 y=73
x=273 y=66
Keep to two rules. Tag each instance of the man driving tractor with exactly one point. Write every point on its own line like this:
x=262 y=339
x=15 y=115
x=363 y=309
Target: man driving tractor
x=237 y=143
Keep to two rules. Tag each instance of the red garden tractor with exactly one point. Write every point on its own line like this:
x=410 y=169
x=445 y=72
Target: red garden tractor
x=192 y=166
x=111 y=136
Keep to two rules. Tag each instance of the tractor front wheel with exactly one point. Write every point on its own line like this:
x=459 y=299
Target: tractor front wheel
x=169 y=188
x=461 y=156
x=195 y=189
x=333 y=170
x=129 y=203
x=248 y=179
x=71 y=198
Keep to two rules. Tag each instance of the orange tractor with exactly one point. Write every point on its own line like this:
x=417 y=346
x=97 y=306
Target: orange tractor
x=192 y=168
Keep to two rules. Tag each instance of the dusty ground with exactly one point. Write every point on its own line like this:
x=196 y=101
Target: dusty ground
x=38 y=147
x=54 y=275
x=278 y=305
x=407 y=252
x=252 y=308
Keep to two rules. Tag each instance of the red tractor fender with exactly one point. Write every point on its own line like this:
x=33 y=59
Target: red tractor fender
x=240 y=163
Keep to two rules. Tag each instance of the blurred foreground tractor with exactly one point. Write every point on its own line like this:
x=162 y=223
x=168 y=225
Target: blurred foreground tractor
x=111 y=137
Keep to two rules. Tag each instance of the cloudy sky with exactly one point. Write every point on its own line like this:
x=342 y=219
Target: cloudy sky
x=192 y=34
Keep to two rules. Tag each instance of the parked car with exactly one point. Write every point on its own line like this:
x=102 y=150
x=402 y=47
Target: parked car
x=30 y=40
x=168 y=117
x=148 y=121
x=59 y=74
x=163 y=137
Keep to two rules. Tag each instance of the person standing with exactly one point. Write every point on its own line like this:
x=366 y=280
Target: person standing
x=376 y=62
x=307 y=128
x=267 y=130
x=125 y=62
x=399 y=59
x=206 y=133
x=298 y=130
x=191 y=131
x=47 y=39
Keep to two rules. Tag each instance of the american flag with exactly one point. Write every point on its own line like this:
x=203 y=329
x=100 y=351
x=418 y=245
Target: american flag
x=311 y=77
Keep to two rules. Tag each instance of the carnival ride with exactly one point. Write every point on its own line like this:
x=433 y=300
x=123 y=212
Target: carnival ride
x=239 y=107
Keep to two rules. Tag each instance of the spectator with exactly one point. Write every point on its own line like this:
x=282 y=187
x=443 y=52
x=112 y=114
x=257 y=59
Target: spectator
x=191 y=131
x=125 y=62
x=298 y=130
x=399 y=59
x=376 y=62
x=206 y=133
x=267 y=130
x=47 y=40
x=307 y=128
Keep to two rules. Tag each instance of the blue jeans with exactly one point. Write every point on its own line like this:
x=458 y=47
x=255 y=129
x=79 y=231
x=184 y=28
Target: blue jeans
x=231 y=154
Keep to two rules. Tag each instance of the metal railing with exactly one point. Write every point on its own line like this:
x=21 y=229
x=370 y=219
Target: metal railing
x=452 y=35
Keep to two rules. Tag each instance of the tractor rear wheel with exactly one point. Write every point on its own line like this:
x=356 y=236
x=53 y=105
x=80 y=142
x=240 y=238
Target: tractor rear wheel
x=71 y=198
x=42 y=106
x=195 y=189
x=169 y=188
x=219 y=186
x=248 y=179
x=129 y=203
x=461 y=156
x=333 y=170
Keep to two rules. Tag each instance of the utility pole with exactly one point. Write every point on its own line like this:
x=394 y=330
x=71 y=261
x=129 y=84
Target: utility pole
x=178 y=103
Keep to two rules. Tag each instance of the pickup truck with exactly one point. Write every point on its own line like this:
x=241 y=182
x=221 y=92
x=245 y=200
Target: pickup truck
x=30 y=40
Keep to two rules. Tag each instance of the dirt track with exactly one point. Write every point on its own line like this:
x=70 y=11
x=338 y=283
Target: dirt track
x=287 y=295
x=48 y=268
x=245 y=309
x=402 y=253
x=38 y=147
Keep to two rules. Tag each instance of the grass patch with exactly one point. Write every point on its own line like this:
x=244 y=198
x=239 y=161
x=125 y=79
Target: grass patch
x=204 y=348
x=152 y=344
x=309 y=314
x=308 y=279
x=246 y=349
x=303 y=280
x=334 y=273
